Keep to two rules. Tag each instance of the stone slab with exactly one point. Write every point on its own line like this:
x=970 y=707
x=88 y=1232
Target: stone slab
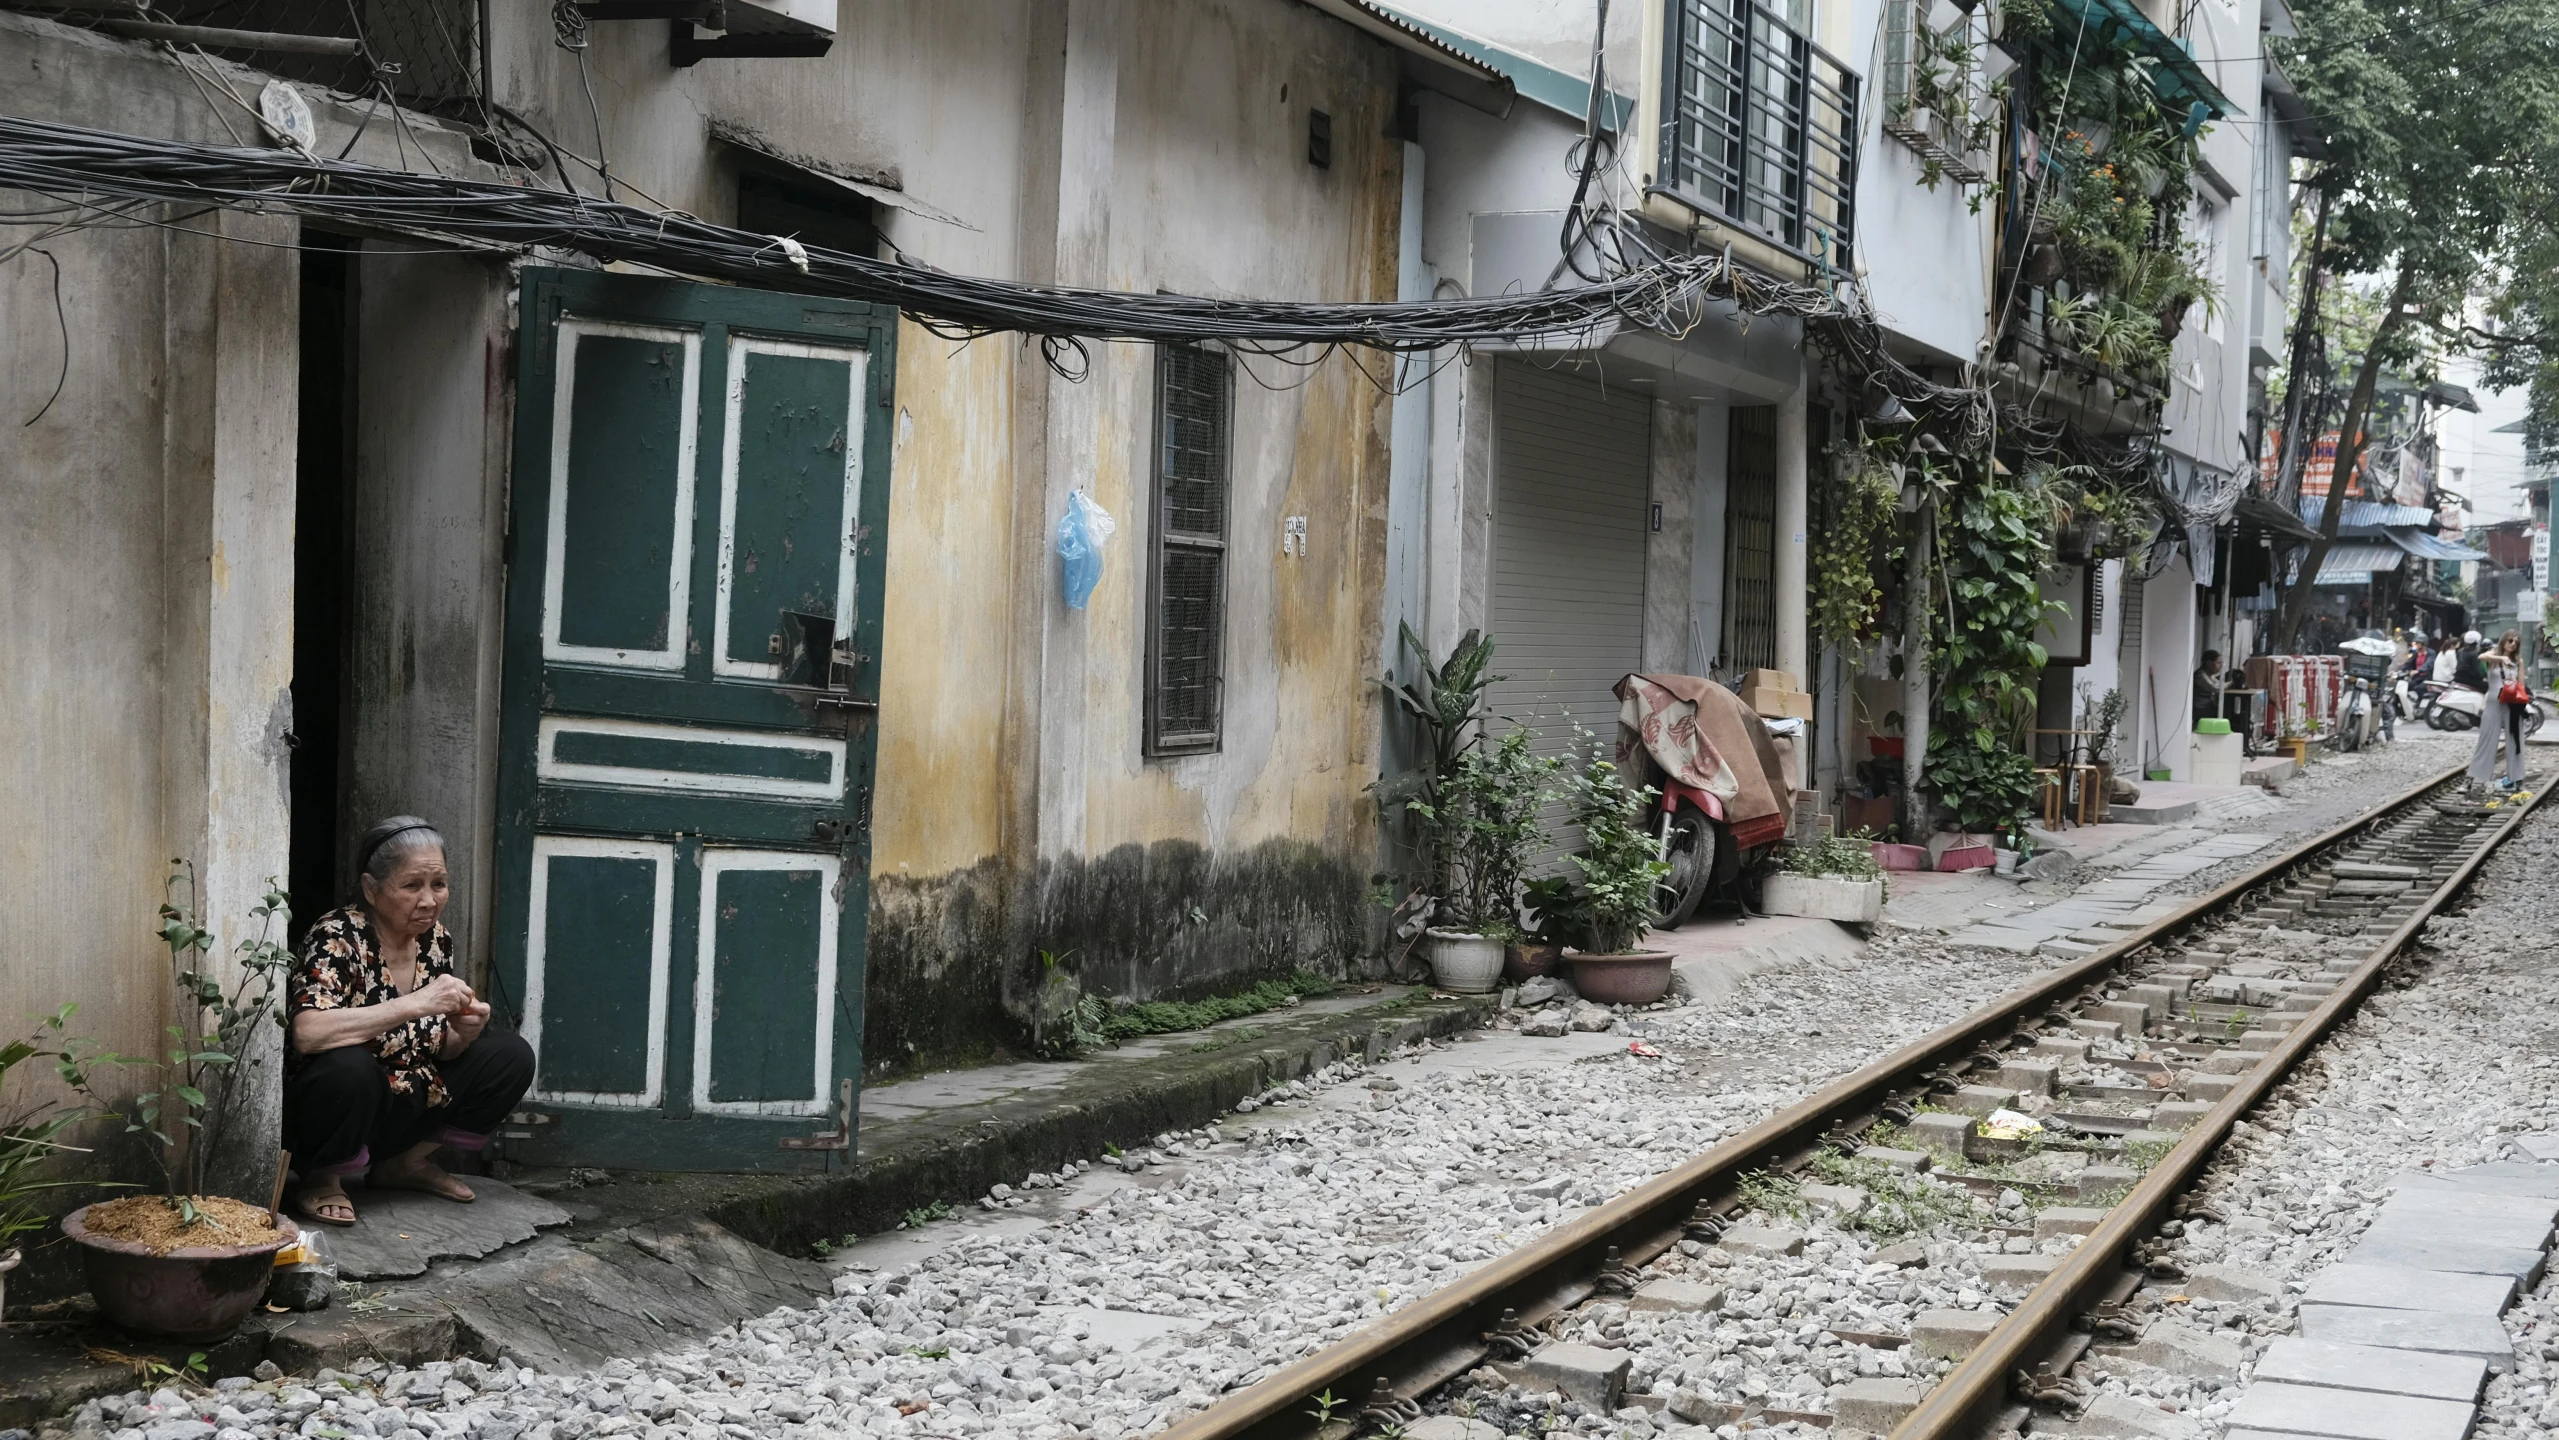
x=1686 y=1296
x=2478 y=1335
x=2130 y=1015
x=1767 y=1240
x=2349 y=1414
x=2540 y=1145
x=1940 y=1133
x=2502 y=1177
x=2017 y=1272
x=1877 y=1404
x=1576 y=1371
x=1950 y=1334
x=2372 y=1367
x=2395 y=1287
x=2471 y=1207
x=2189 y=1350
x=562 y=1307
x=2067 y=1220
x=1981 y=1099
x=1913 y=1160
x=2402 y=1219
x=2432 y=1250
x=398 y=1233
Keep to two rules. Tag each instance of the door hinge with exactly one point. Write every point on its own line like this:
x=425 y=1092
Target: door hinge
x=862 y=815
x=841 y=1137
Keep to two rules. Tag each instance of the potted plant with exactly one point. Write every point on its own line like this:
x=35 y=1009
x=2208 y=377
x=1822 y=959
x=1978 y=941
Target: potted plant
x=1550 y=920
x=186 y=1264
x=1480 y=828
x=1832 y=878
x=1620 y=863
x=2101 y=719
x=1474 y=812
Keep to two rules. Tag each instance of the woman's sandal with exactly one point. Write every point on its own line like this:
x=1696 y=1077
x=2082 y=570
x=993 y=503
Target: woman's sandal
x=309 y=1205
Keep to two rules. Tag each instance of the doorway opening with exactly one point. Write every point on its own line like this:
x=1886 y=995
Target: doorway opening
x=323 y=483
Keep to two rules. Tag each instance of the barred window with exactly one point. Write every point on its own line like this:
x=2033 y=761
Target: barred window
x=1186 y=620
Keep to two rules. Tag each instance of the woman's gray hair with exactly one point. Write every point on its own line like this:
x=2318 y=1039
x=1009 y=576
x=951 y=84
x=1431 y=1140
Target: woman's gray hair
x=391 y=841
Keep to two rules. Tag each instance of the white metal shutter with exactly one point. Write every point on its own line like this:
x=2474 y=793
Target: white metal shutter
x=1571 y=486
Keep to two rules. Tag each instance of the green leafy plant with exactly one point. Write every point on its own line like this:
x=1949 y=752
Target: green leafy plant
x=1862 y=487
x=1552 y=913
x=923 y=1215
x=188 y=1114
x=31 y=1133
x=1620 y=862
x=1473 y=813
x=1993 y=543
x=1844 y=856
x=1481 y=827
x=2103 y=718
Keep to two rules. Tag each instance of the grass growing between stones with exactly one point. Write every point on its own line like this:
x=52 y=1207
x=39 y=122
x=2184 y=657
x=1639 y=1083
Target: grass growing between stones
x=1903 y=1203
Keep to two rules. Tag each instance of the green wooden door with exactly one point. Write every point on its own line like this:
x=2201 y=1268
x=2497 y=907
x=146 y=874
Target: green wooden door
x=700 y=501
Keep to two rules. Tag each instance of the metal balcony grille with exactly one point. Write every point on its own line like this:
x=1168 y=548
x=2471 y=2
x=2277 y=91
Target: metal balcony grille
x=1195 y=405
x=1759 y=127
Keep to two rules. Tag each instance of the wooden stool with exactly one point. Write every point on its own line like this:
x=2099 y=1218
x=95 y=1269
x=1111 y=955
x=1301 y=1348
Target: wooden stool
x=2089 y=796
x=2055 y=794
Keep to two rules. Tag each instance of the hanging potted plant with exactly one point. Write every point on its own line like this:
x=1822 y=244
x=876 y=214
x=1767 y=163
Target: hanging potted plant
x=1620 y=864
x=185 y=1264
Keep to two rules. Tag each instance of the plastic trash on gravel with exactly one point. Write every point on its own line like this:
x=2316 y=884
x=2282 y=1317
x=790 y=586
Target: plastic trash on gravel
x=2009 y=1125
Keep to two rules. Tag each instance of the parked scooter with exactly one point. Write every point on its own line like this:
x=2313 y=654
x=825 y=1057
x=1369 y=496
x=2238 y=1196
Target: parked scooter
x=2454 y=708
x=1708 y=848
x=2361 y=718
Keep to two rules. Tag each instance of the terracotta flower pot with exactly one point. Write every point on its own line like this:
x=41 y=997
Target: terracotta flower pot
x=1637 y=978
x=195 y=1292
x=1525 y=961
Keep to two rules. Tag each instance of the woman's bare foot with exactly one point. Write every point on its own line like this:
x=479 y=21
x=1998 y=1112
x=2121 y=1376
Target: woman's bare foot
x=417 y=1172
x=323 y=1200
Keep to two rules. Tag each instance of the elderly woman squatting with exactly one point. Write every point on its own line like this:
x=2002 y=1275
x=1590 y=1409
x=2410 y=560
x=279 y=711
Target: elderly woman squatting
x=390 y=1054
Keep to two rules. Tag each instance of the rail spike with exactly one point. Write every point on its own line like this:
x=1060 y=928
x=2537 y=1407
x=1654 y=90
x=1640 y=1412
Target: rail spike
x=1510 y=1340
x=1615 y=1276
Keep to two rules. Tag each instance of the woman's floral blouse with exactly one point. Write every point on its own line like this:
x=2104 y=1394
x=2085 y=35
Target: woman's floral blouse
x=341 y=968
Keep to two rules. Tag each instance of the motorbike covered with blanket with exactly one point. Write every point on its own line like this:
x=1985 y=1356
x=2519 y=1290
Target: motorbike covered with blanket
x=1724 y=779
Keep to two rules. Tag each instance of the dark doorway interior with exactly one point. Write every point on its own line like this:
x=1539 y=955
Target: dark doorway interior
x=323 y=477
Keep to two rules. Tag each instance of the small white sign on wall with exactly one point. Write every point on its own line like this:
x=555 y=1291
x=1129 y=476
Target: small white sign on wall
x=1293 y=536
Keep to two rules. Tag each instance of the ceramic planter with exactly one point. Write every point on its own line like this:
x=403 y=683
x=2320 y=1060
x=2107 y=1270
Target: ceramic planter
x=195 y=1292
x=1637 y=978
x=1524 y=961
x=1825 y=897
x=1466 y=963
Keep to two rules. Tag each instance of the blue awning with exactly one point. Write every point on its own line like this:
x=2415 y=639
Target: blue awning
x=2354 y=564
x=2362 y=513
x=2180 y=81
x=2432 y=547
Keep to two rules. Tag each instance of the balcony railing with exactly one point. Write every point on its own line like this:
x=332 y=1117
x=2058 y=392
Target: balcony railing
x=1759 y=127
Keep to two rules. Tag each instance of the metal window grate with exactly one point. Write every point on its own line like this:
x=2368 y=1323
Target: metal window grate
x=1194 y=393
x=1760 y=127
x=1750 y=537
x=1194 y=426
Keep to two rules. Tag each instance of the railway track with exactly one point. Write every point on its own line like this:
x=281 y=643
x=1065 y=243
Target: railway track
x=2218 y=1032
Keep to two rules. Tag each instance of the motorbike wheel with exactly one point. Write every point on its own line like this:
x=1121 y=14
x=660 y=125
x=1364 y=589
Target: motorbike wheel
x=2433 y=715
x=1690 y=849
x=2533 y=715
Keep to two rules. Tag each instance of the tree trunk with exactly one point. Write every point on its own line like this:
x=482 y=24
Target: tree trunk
x=2350 y=446
x=2305 y=324
x=1917 y=611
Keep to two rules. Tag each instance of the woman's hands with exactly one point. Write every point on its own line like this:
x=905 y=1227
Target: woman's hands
x=445 y=995
x=464 y=1026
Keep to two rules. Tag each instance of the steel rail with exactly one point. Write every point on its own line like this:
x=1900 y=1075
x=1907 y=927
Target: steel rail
x=1441 y=1335
x=1968 y=1399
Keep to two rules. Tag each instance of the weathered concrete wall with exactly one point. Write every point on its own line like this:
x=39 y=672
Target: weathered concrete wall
x=1125 y=144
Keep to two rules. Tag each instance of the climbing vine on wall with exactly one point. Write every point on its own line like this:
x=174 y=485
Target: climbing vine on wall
x=1856 y=539
x=1993 y=541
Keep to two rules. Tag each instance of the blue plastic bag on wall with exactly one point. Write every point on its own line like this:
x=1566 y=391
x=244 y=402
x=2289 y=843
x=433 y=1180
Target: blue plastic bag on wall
x=1080 y=533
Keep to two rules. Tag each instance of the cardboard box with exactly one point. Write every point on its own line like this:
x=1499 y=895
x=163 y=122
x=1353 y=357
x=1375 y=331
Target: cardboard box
x=1778 y=704
x=1769 y=680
